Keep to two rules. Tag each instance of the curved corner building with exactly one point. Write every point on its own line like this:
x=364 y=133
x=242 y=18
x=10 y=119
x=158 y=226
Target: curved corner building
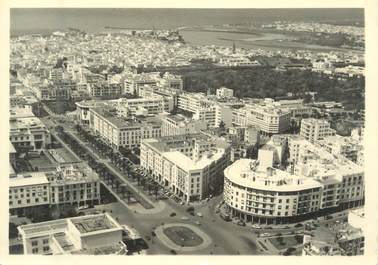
x=268 y=195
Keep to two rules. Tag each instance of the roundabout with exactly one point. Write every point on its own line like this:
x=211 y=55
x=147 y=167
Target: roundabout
x=182 y=237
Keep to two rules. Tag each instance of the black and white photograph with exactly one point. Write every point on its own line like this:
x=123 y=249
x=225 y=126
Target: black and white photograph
x=186 y=131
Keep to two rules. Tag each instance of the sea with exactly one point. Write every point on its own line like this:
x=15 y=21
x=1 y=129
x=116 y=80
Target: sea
x=94 y=20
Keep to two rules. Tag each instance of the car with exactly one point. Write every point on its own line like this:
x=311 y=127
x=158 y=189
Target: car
x=241 y=223
x=256 y=226
x=298 y=225
x=265 y=234
x=200 y=214
x=172 y=214
x=197 y=223
x=185 y=218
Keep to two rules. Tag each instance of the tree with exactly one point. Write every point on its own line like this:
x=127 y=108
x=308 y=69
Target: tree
x=252 y=151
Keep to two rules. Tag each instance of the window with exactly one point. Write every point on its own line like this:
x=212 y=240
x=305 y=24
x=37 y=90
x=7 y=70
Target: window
x=35 y=250
x=45 y=241
x=46 y=248
x=34 y=243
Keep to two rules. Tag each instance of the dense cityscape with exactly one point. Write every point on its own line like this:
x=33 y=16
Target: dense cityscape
x=140 y=142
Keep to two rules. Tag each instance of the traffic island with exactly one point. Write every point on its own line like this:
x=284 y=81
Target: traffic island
x=182 y=237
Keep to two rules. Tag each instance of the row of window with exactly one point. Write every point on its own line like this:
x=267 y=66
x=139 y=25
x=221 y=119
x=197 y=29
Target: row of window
x=36 y=200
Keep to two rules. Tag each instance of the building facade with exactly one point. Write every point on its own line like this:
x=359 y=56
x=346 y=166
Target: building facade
x=314 y=130
x=190 y=165
x=90 y=234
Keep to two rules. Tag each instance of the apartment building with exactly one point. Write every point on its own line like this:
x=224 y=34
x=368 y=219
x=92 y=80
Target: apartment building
x=260 y=193
x=171 y=81
x=53 y=92
x=314 y=130
x=268 y=195
x=193 y=101
x=74 y=185
x=190 y=165
x=96 y=234
x=179 y=124
x=27 y=132
x=214 y=114
x=104 y=89
x=224 y=92
x=133 y=82
x=152 y=105
x=169 y=94
x=117 y=131
x=342 y=146
x=270 y=119
x=28 y=190
x=252 y=135
x=66 y=184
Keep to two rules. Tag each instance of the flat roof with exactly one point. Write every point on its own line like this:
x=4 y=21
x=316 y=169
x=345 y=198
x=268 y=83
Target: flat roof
x=93 y=223
x=187 y=164
x=240 y=173
x=28 y=179
x=26 y=122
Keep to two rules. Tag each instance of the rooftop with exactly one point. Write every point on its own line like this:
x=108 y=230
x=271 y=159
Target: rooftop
x=110 y=114
x=187 y=164
x=28 y=179
x=248 y=173
x=92 y=223
x=26 y=123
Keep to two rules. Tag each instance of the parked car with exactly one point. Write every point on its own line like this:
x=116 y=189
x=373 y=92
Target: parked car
x=225 y=217
x=255 y=226
x=185 y=218
x=241 y=223
x=197 y=223
x=172 y=214
x=200 y=214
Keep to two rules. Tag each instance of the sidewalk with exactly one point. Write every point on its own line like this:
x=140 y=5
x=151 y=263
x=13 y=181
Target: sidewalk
x=158 y=206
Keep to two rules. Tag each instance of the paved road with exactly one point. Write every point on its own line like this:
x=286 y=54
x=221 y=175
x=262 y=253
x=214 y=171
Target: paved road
x=114 y=170
x=227 y=237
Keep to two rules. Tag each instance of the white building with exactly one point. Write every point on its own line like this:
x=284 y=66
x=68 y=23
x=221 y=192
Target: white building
x=28 y=190
x=118 y=131
x=268 y=195
x=314 y=130
x=344 y=146
x=224 y=92
x=190 y=165
x=133 y=82
x=237 y=61
x=179 y=124
x=254 y=191
x=193 y=101
x=270 y=119
x=91 y=234
x=67 y=184
x=74 y=185
x=153 y=105
x=252 y=135
x=214 y=114
x=27 y=132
